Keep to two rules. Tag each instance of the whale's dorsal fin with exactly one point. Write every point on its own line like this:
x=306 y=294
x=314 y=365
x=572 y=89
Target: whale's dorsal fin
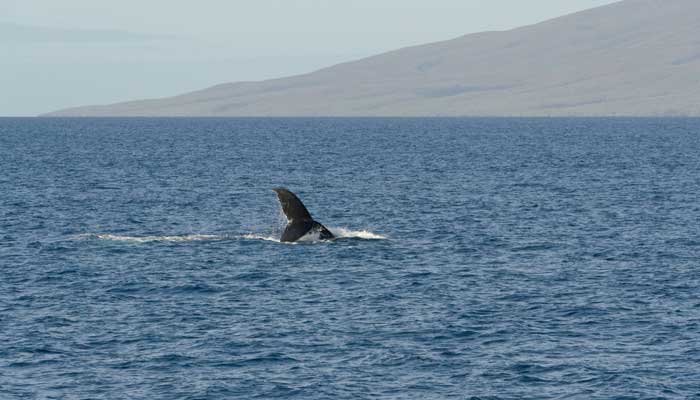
x=293 y=207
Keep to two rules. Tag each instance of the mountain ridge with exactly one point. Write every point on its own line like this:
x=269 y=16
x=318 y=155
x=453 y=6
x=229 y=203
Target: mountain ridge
x=630 y=58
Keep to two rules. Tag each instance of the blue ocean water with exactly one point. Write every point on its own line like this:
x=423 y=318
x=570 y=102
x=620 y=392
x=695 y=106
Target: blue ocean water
x=478 y=258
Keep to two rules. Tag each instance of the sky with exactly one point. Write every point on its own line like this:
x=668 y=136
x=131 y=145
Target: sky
x=58 y=54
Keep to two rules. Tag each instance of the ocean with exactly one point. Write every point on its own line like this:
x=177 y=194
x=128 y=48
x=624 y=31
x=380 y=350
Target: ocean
x=475 y=259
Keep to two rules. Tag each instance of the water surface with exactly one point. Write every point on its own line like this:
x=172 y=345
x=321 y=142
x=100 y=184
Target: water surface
x=479 y=258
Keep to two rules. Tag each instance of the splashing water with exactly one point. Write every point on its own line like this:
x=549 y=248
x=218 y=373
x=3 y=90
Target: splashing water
x=343 y=233
x=258 y=236
x=339 y=233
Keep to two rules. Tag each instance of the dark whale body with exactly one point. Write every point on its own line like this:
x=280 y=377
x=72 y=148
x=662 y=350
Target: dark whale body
x=299 y=220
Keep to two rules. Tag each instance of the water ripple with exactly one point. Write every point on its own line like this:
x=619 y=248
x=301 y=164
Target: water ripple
x=476 y=259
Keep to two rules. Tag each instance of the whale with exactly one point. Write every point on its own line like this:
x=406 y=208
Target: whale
x=299 y=221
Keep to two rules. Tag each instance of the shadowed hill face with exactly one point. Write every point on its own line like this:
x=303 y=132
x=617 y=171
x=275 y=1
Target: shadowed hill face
x=636 y=57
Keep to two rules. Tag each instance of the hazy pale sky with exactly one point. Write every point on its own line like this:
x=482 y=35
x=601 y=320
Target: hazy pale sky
x=58 y=54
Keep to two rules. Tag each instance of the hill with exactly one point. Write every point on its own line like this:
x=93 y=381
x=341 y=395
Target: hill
x=635 y=57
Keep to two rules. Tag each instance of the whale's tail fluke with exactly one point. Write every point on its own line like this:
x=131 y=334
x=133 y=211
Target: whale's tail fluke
x=291 y=205
x=299 y=218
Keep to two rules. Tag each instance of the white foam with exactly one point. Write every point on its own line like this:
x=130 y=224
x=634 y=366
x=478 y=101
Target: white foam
x=147 y=239
x=311 y=237
x=255 y=236
x=347 y=233
x=315 y=237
